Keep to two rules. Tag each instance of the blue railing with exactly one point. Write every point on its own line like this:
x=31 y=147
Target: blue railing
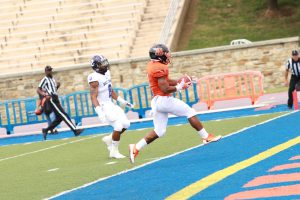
x=140 y=95
x=78 y=105
x=20 y=112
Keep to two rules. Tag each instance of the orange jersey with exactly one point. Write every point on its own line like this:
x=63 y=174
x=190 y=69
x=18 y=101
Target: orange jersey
x=156 y=70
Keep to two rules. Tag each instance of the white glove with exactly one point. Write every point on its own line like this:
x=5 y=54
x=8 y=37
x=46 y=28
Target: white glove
x=100 y=114
x=182 y=85
x=124 y=102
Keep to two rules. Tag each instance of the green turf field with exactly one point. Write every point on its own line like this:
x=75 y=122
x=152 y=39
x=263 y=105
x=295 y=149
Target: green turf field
x=84 y=159
x=219 y=22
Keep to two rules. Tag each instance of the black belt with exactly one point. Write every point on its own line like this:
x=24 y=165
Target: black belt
x=298 y=76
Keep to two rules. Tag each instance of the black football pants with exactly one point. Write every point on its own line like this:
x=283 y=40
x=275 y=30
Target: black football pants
x=294 y=80
x=60 y=114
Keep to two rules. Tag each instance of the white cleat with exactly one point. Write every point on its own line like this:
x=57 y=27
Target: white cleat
x=133 y=152
x=108 y=141
x=116 y=154
x=211 y=138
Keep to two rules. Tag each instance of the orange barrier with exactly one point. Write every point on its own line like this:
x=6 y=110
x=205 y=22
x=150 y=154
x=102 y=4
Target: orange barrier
x=248 y=84
x=295 y=100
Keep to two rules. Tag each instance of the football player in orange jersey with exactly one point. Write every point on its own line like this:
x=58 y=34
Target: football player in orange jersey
x=164 y=103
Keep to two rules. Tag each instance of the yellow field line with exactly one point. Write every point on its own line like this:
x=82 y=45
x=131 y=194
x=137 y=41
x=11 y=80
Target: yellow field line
x=207 y=181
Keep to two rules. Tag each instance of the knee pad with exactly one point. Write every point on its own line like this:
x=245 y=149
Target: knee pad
x=160 y=133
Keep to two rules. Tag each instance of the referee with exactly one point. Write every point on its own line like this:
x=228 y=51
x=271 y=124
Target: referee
x=48 y=88
x=292 y=65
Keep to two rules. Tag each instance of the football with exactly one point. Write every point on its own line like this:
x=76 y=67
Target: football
x=186 y=78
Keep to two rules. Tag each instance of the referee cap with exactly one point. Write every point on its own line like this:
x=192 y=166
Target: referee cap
x=295 y=53
x=48 y=68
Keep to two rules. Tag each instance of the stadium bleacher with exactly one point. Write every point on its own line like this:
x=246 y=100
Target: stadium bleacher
x=150 y=28
x=65 y=33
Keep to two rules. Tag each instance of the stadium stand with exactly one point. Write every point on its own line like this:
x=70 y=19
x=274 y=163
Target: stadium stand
x=150 y=27
x=67 y=33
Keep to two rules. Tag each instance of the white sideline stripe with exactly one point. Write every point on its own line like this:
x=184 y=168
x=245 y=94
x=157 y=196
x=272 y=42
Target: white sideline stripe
x=230 y=118
x=162 y=158
x=27 y=143
x=111 y=163
x=143 y=120
x=152 y=158
x=45 y=149
x=141 y=129
x=173 y=116
x=52 y=170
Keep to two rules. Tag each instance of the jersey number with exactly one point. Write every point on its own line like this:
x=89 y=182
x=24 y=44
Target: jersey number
x=110 y=90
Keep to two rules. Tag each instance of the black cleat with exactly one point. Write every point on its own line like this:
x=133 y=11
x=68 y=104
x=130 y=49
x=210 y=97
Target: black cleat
x=78 y=131
x=45 y=132
x=53 y=132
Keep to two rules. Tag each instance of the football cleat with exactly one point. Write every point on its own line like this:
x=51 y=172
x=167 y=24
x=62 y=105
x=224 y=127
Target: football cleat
x=45 y=132
x=211 y=138
x=116 y=154
x=133 y=152
x=77 y=132
x=108 y=141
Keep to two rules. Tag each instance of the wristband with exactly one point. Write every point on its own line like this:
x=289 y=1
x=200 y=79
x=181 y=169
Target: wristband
x=98 y=109
x=121 y=100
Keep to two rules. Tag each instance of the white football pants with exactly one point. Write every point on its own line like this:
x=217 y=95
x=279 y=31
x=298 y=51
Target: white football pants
x=162 y=106
x=115 y=116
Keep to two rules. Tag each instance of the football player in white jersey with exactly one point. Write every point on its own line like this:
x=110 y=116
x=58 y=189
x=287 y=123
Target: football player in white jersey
x=101 y=92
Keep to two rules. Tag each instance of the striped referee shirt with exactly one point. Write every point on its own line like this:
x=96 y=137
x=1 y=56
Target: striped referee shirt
x=49 y=85
x=293 y=66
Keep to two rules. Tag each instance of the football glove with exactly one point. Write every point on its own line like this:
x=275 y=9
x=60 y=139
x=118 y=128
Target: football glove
x=124 y=102
x=100 y=114
x=182 y=85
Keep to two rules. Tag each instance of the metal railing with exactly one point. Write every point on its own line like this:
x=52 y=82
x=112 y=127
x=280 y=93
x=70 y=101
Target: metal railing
x=20 y=112
x=169 y=20
x=78 y=105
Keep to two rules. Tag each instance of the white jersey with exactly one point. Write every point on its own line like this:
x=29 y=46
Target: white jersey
x=105 y=86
